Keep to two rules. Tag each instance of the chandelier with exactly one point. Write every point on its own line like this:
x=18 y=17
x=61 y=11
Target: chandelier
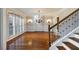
x=39 y=18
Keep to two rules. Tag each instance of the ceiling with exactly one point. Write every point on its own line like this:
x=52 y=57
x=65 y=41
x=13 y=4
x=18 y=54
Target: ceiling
x=43 y=11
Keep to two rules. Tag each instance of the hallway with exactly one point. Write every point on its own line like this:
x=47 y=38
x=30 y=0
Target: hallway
x=30 y=41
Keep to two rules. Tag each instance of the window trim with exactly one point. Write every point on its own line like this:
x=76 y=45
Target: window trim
x=15 y=35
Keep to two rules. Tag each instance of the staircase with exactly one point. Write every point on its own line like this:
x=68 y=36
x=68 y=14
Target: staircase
x=72 y=43
x=68 y=30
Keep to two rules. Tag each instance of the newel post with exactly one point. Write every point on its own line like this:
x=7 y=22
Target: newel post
x=49 y=35
x=58 y=24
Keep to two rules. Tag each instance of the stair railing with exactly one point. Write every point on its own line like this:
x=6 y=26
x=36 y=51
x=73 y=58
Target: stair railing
x=64 y=26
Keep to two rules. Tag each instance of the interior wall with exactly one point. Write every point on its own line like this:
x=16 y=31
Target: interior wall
x=37 y=27
x=0 y=28
x=4 y=28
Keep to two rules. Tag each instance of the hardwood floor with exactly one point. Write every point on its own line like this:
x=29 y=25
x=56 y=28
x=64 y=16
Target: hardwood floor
x=31 y=41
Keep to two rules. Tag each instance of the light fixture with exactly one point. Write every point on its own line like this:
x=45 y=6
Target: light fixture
x=48 y=21
x=29 y=21
x=38 y=17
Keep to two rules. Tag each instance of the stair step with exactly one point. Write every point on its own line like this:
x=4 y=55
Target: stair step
x=61 y=48
x=71 y=46
x=75 y=39
x=77 y=33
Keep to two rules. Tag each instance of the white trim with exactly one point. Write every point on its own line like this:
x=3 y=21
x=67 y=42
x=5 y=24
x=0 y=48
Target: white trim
x=14 y=36
x=74 y=35
x=73 y=42
x=65 y=46
x=54 y=48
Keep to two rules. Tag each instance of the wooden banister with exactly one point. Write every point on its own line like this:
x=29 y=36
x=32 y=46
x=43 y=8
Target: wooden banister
x=64 y=18
x=57 y=24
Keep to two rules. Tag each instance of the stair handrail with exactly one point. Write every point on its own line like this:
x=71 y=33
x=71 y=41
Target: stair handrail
x=64 y=18
x=50 y=27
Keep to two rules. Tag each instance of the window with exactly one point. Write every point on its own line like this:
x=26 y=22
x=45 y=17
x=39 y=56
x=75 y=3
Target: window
x=11 y=19
x=16 y=24
x=22 y=24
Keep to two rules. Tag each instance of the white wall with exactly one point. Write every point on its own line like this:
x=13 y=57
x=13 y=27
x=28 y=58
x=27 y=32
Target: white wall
x=4 y=28
x=34 y=26
x=0 y=28
x=37 y=27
